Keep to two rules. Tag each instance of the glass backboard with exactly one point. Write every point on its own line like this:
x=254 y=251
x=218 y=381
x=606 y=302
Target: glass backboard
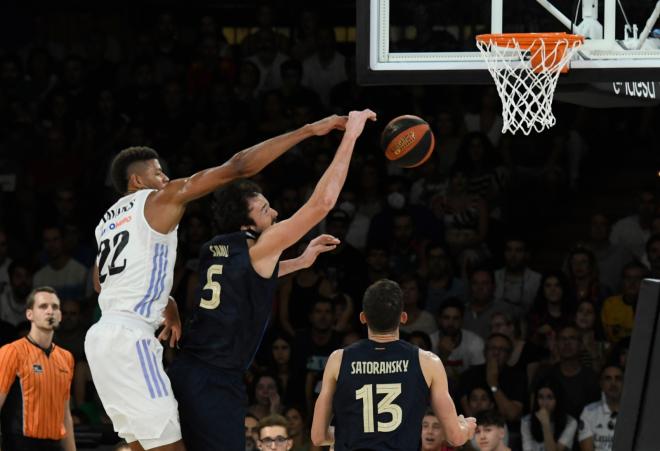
x=433 y=41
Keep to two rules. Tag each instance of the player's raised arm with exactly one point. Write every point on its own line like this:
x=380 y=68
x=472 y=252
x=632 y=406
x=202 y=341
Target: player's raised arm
x=458 y=430
x=282 y=235
x=164 y=208
x=246 y=163
x=321 y=433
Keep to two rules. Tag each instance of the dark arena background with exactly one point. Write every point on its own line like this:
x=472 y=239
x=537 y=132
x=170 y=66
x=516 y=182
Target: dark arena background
x=550 y=241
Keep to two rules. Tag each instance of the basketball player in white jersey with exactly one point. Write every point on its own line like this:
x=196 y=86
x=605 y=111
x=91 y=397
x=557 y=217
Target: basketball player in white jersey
x=136 y=241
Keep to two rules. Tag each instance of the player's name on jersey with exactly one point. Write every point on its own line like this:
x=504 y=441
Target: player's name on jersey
x=111 y=214
x=389 y=367
x=219 y=250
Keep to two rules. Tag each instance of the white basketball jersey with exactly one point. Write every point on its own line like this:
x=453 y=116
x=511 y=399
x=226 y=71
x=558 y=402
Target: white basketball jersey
x=135 y=263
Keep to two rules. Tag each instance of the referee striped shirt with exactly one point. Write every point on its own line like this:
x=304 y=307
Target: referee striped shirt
x=38 y=385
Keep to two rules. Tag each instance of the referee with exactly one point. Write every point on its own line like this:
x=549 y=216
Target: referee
x=35 y=381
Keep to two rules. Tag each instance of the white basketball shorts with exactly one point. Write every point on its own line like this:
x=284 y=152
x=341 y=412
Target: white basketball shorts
x=125 y=360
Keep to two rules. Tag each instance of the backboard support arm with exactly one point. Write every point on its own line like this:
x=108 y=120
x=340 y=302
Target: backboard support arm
x=649 y=25
x=496 y=16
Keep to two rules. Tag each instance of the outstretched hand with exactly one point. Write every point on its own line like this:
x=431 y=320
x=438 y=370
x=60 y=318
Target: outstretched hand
x=327 y=124
x=171 y=323
x=356 y=121
x=320 y=244
x=470 y=423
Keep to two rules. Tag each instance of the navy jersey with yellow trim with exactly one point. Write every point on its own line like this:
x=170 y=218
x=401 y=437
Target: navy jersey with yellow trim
x=381 y=397
x=234 y=307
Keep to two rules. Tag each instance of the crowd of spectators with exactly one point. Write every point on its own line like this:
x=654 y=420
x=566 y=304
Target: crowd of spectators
x=459 y=233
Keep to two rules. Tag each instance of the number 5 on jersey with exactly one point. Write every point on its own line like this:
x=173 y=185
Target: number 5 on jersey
x=391 y=391
x=214 y=286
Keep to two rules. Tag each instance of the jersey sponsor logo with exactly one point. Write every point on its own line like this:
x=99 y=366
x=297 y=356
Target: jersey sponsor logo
x=390 y=367
x=37 y=368
x=112 y=214
x=118 y=224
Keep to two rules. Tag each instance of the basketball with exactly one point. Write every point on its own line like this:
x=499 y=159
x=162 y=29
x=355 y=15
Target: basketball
x=407 y=141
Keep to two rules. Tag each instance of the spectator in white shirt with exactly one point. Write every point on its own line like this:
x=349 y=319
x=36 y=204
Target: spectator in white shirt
x=632 y=231
x=598 y=419
x=458 y=348
x=12 y=299
x=62 y=272
x=418 y=319
x=326 y=67
x=515 y=283
x=548 y=427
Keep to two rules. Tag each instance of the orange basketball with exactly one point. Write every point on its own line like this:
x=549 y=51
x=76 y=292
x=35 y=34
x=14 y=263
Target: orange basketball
x=407 y=141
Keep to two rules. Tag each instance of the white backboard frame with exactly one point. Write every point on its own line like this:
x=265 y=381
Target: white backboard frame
x=600 y=60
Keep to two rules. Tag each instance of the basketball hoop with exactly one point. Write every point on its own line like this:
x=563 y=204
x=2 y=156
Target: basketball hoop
x=526 y=67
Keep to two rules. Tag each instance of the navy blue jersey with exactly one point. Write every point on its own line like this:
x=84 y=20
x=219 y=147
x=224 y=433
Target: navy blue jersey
x=235 y=304
x=381 y=397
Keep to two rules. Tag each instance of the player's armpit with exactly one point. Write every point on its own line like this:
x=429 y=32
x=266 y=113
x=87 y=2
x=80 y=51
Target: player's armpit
x=321 y=434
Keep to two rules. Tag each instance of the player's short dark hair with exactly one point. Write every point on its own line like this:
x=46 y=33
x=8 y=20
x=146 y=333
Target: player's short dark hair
x=29 y=301
x=490 y=418
x=274 y=420
x=121 y=162
x=230 y=205
x=382 y=305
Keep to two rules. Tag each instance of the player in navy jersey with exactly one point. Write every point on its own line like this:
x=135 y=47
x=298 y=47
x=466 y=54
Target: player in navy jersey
x=137 y=239
x=238 y=276
x=379 y=388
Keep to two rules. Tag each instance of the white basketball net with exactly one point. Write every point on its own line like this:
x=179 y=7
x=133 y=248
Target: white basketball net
x=526 y=79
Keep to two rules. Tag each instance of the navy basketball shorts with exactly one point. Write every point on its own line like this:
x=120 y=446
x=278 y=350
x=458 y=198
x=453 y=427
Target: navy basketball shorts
x=212 y=405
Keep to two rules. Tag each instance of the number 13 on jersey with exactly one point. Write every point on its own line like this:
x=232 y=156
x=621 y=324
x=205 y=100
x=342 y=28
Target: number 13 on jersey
x=386 y=405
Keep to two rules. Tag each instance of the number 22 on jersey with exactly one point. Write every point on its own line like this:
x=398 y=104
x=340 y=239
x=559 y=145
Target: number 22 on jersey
x=214 y=286
x=115 y=246
x=366 y=394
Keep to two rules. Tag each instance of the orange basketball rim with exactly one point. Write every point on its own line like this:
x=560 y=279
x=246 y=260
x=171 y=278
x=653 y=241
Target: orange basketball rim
x=538 y=46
